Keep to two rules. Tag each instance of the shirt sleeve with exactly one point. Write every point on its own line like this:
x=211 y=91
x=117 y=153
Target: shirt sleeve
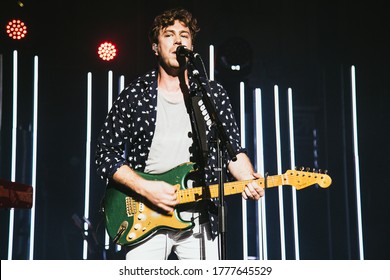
x=110 y=149
x=226 y=115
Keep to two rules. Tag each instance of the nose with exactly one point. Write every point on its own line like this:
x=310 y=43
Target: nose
x=178 y=40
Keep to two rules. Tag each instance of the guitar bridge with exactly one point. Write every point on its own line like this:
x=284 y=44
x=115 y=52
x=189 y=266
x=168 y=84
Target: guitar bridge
x=131 y=206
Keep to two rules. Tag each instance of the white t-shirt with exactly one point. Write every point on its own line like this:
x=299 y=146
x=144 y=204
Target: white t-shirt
x=171 y=143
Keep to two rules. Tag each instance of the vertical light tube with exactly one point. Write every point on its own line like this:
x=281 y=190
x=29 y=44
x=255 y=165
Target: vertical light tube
x=34 y=158
x=356 y=156
x=109 y=88
x=261 y=212
x=109 y=105
x=292 y=164
x=279 y=164
x=211 y=62
x=121 y=87
x=243 y=201
x=87 y=164
x=13 y=151
x=121 y=84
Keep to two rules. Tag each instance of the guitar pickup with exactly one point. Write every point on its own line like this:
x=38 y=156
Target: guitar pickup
x=131 y=206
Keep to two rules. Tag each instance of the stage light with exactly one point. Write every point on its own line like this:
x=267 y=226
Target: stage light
x=16 y=29
x=107 y=51
x=235 y=57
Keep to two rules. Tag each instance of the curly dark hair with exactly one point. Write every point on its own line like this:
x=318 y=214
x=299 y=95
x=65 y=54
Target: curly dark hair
x=168 y=18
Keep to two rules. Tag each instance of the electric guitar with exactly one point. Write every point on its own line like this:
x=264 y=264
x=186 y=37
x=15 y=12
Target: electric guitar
x=131 y=219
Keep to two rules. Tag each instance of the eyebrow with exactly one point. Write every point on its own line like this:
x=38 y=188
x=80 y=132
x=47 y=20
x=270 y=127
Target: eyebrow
x=173 y=31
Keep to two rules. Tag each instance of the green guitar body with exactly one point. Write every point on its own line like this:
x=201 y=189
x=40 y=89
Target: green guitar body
x=130 y=219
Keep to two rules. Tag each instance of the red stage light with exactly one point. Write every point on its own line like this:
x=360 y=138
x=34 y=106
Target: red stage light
x=107 y=51
x=16 y=29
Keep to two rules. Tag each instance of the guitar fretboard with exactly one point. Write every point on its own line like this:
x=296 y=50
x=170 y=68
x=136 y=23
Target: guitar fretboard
x=199 y=193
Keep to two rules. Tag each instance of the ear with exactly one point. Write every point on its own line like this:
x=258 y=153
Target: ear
x=154 y=48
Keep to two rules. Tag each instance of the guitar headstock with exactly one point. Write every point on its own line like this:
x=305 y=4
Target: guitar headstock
x=301 y=179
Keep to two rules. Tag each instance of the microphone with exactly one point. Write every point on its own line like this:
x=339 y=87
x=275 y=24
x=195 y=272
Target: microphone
x=184 y=52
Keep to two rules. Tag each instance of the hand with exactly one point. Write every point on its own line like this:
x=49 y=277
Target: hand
x=161 y=194
x=253 y=190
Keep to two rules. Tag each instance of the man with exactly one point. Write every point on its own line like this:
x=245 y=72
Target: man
x=147 y=130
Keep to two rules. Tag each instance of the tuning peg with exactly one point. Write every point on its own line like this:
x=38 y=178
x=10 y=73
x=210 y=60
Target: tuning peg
x=325 y=171
x=307 y=169
x=319 y=171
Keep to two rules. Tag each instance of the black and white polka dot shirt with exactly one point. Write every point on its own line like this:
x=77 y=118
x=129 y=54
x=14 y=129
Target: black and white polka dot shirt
x=127 y=133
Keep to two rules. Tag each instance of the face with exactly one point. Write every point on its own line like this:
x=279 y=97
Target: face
x=168 y=40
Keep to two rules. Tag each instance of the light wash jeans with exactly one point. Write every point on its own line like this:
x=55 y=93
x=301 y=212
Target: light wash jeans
x=193 y=244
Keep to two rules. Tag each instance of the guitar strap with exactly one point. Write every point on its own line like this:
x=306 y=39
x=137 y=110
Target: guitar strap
x=200 y=148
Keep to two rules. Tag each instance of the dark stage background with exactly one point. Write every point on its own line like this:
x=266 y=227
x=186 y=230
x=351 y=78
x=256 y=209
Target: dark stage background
x=306 y=45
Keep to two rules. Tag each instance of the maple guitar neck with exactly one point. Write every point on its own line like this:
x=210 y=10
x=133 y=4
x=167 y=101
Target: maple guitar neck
x=298 y=179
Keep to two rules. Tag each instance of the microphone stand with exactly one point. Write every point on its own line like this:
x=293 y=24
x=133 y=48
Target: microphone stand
x=223 y=144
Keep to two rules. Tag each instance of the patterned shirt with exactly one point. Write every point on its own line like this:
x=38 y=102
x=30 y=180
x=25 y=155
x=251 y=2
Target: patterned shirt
x=128 y=130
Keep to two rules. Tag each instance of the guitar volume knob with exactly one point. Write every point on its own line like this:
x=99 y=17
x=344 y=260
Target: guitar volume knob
x=137 y=226
x=141 y=217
